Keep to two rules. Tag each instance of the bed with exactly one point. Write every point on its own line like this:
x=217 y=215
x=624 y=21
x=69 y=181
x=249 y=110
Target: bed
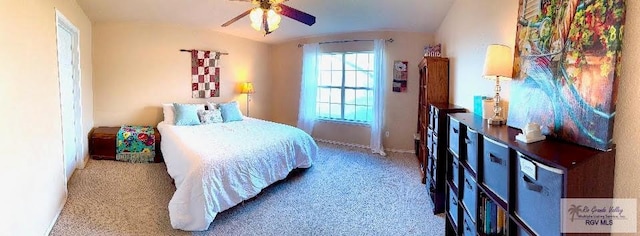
x=217 y=166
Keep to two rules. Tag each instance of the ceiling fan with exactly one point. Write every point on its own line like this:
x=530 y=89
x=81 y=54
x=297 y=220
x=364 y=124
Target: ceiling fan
x=266 y=15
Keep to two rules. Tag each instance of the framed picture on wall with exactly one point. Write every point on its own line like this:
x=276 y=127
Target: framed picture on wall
x=400 y=75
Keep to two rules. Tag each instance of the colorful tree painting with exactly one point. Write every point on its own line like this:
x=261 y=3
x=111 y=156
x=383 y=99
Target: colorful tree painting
x=566 y=64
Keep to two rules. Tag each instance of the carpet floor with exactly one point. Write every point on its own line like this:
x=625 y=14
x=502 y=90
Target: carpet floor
x=347 y=191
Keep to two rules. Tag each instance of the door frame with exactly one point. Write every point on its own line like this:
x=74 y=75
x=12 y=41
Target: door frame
x=63 y=22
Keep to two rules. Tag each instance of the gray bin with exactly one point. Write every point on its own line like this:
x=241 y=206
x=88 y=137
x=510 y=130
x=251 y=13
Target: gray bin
x=468 y=226
x=495 y=167
x=453 y=206
x=470 y=194
x=472 y=142
x=538 y=197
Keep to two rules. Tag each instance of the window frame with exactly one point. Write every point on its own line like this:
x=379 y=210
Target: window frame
x=343 y=89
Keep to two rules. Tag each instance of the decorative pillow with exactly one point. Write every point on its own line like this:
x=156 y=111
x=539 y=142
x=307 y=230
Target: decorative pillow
x=187 y=114
x=230 y=112
x=212 y=106
x=167 y=111
x=210 y=116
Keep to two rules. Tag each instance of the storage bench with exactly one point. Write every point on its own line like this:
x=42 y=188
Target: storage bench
x=102 y=144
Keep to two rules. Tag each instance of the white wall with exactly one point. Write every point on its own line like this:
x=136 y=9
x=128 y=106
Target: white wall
x=401 y=108
x=31 y=173
x=139 y=66
x=471 y=25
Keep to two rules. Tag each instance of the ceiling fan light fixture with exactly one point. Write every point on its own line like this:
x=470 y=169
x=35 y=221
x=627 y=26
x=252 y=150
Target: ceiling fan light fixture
x=256 y=26
x=256 y=16
x=273 y=19
x=266 y=16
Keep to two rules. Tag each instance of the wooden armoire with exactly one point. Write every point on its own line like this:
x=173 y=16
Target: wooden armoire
x=434 y=88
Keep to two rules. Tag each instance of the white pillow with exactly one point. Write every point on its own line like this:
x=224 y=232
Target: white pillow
x=212 y=105
x=169 y=113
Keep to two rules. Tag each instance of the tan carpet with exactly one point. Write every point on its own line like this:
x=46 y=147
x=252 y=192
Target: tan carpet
x=347 y=192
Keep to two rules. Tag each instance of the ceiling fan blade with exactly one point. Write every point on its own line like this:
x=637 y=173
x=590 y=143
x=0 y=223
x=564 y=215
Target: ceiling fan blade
x=237 y=18
x=297 y=14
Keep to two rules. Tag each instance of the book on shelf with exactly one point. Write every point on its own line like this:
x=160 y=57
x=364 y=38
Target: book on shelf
x=487 y=216
x=480 y=220
x=493 y=219
x=500 y=221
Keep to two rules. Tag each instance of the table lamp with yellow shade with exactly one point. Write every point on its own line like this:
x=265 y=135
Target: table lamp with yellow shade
x=498 y=65
x=247 y=88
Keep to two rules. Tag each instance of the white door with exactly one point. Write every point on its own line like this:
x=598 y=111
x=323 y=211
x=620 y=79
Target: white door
x=68 y=74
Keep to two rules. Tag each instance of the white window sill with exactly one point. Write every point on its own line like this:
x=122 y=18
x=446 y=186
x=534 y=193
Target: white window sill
x=343 y=122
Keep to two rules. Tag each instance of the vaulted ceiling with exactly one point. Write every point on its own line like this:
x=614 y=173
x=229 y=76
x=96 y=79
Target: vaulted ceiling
x=333 y=16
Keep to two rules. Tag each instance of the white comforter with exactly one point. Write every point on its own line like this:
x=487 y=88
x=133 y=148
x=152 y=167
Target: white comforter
x=217 y=166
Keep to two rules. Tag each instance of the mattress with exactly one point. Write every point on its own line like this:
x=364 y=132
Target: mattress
x=217 y=166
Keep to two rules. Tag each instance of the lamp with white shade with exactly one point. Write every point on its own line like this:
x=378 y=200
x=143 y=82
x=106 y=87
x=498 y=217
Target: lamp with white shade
x=498 y=65
x=247 y=88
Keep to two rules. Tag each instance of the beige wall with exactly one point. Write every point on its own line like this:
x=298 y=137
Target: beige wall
x=401 y=108
x=471 y=25
x=31 y=172
x=627 y=124
x=465 y=33
x=139 y=66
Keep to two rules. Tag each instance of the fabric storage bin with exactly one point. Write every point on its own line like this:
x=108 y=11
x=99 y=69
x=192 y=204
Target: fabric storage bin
x=430 y=189
x=454 y=136
x=453 y=206
x=434 y=144
x=472 y=142
x=468 y=225
x=454 y=171
x=522 y=232
x=430 y=141
x=434 y=118
x=495 y=167
x=429 y=165
x=543 y=190
x=434 y=168
x=470 y=194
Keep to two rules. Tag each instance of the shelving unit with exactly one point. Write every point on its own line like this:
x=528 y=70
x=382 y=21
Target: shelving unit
x=437 y=152
x=485 y=177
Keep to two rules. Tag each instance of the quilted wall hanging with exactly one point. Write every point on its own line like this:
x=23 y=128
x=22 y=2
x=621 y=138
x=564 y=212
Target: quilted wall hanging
x=205 y=74
x=566 y=68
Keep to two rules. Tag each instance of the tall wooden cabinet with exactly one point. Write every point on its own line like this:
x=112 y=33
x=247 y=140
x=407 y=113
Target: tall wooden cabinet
x=434 y=88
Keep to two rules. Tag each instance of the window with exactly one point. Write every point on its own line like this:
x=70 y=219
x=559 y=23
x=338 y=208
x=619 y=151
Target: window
x=345 y=86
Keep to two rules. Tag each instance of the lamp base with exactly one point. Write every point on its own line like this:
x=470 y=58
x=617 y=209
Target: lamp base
x=496 y=120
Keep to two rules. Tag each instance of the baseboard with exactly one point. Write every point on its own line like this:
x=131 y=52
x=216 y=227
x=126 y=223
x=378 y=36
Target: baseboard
x=83 y=163
x=55 y=219
x=362 y=146
x=343 y=143
x=400 y=150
